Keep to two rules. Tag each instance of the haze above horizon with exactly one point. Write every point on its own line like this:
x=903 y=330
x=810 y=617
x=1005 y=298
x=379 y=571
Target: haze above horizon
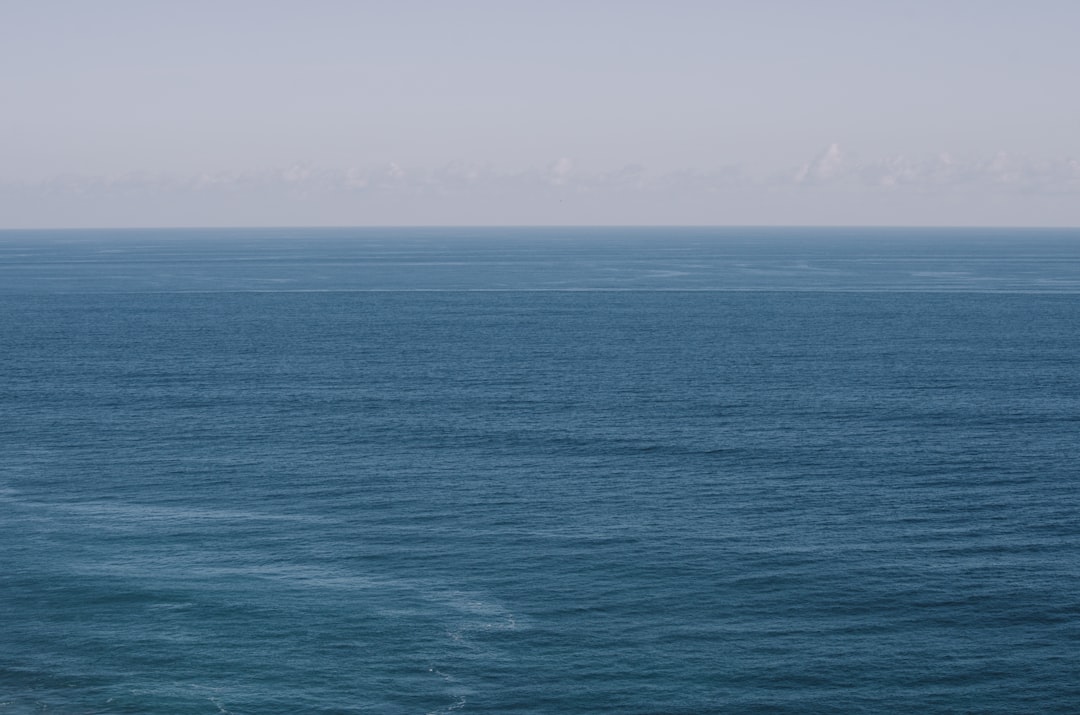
x=125 y=114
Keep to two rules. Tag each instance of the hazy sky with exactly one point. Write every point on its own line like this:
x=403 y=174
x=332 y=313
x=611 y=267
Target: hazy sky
x=332 y=112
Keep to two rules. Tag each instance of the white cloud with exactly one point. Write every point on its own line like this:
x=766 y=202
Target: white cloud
x=833 y=168
x=827 y=166
x=836 y=186
x=559 y=171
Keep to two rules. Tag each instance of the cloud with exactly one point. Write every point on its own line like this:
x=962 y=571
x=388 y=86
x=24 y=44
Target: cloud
x=834 y=186
x=827 y=166
x=560 y=171
x=833 y=167
x=945 y=172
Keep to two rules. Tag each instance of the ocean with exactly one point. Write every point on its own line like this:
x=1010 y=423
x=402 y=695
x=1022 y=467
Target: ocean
x=540 y=471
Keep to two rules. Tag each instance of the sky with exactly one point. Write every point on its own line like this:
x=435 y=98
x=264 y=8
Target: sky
x=469 y=112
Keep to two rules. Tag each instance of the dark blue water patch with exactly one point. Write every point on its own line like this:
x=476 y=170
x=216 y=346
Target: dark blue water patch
x=556 y=502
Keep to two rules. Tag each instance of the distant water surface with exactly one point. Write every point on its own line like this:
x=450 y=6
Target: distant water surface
x=540 y=471
x=970 y=260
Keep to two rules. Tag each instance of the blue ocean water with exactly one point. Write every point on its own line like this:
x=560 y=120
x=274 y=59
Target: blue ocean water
x=540 y=471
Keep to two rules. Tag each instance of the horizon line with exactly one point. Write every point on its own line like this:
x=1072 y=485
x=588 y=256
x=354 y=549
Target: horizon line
x=310 y=227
